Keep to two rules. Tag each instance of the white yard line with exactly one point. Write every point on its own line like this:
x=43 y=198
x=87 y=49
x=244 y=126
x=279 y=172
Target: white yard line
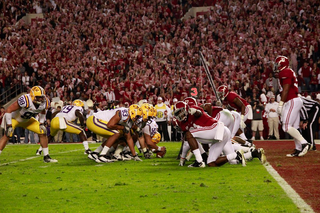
x=292 y=194
x=33 y=157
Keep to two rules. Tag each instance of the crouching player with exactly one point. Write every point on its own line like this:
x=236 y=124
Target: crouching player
x=22 y=113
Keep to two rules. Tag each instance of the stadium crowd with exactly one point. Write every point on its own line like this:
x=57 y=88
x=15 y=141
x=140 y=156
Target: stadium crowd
x=131 y=50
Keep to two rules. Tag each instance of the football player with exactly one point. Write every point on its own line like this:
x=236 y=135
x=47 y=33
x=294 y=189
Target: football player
x=112 y=124
x=22 y=113
x=199 y=126
x=234 y=101
x=290 y=105
x=64 y=119
x=150 y=135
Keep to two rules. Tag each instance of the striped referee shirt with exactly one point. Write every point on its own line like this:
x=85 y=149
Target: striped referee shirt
x=308 y=104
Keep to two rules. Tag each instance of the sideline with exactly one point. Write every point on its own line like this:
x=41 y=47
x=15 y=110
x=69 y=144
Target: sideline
x=292 y=194
x=33 y=157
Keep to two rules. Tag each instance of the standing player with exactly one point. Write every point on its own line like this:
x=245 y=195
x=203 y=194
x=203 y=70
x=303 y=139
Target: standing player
x=199 y=126
x=63 y=120
x=290 y=105
x=234 y=101
x=22 y=113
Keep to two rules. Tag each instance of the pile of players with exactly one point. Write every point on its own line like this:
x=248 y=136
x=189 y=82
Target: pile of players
x=123 y=128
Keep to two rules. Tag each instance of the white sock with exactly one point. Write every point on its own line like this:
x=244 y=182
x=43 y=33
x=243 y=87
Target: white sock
x=104 y=150
x=118 y=150
x=85 y=144
x=197 y=154
x=185 y=149
x=45 y=151
x=201 y=148
x=99 y=149
x=296 y=135
x=231 y=156
x=247 y=156
x=243 y=136
x=138 y=145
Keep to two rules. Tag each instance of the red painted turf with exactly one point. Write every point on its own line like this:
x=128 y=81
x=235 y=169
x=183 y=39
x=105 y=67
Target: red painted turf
x=301 y=173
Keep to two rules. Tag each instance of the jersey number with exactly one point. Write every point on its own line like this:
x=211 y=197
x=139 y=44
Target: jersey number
x=28 y=115
x=67 y=109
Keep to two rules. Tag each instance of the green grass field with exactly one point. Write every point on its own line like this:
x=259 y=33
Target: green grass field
x=77 y=184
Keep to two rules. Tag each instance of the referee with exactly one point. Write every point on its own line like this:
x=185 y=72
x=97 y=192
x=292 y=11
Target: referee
x=309 y=114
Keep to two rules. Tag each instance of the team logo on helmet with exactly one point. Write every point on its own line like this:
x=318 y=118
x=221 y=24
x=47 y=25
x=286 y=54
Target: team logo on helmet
x=78 y=103
x=281 y=63
x=35 y=92
x=191 y=101
x=181 y=111
x=223 y=91
x=156 y=138
x=135 y=112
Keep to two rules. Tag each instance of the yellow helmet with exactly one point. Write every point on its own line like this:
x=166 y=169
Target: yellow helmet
x=156 y=138
x=37 y=91
x=153 y=111
x=146 y=111
x=78 y=103
x=134 y=111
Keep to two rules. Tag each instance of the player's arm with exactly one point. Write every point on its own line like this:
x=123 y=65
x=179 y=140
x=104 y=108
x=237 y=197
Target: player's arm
x=195 y=112
x=113 y=123
x=13 y=107
x=191 y=140
x=42 y=116
x=81 y=117
x=240 y=104
x=285 y=92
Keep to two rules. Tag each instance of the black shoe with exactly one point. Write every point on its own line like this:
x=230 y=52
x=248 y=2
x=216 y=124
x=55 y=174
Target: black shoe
x=197 y=164
x=38 y=152
x=204 y=157
x=304 y=149
x=294 y=154
x=240 y=157
x=87 y=152
x=48 y=159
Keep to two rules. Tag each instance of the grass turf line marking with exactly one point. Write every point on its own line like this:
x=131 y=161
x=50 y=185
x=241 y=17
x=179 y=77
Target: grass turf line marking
x=30 y=158
x=292 y=194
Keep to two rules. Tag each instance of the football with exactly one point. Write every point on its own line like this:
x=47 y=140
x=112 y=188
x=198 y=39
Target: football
x=161 y=154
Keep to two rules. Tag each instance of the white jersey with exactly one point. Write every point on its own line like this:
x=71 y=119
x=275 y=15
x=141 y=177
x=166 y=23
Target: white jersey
x=28 y=109
x=151 y=128
x=69 y=112
x=106 y=115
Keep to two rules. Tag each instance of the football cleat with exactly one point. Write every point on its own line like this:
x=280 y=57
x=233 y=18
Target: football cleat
x=262 y=157
x=241 y=158
x=103 y=159
x=93 y=155
x=87 y=152
x=197 y=164
x=304 y=150
x=48 y=159
x=294 y=154
x=38 y=152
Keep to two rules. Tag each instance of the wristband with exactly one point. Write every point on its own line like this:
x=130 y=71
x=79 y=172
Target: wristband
x=281 y=103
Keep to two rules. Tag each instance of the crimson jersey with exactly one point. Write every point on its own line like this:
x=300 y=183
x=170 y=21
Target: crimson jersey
x=288 y=76
x=192 y=122
x=230 y=101
x=215 y=111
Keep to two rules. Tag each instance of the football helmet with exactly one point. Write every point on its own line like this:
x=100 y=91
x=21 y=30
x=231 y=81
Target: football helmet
x=146 y=111
x=135 y=112
x=223 y=91
x=281 y=63
x=78 y=103
x=181 y=111
x=190 y=101
x=156 y=138
x=153 y=111
x=37 y=91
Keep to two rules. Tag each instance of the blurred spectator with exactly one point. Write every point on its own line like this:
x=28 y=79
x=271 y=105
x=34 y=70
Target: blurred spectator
x=257 y=124
x=2 y=112
x=273 y=118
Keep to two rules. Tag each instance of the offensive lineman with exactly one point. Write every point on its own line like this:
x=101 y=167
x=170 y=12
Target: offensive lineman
x=22 y=113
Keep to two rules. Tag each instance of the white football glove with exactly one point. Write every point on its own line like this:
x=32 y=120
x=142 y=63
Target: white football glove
x=242 y=124
x=182 y=161
x=9 y=131
x=136 y=158
x=279 y=110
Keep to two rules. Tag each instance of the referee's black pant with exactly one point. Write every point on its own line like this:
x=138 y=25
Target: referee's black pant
x=312 y=126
